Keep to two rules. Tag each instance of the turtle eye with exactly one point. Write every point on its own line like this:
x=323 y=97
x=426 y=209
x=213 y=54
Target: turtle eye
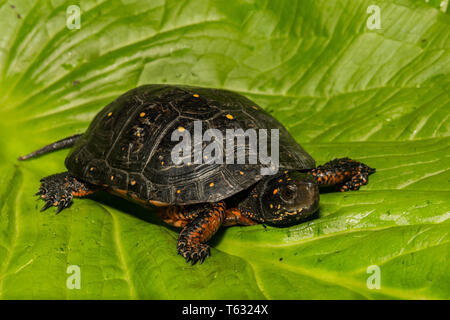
x=289 y=193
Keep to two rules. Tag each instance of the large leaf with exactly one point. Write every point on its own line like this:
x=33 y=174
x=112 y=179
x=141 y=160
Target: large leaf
x=380 y=96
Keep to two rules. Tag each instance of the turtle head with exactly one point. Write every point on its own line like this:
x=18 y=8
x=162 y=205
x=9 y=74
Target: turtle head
x=284 y=199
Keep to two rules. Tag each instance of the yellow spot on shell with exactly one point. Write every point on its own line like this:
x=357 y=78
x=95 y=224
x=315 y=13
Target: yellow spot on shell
x=275 y=191
x=211 y=184
x=181 y=129
x=229 y=116
x=133 y=182
x=195 y=95
x=142 y=114
x=109 y=114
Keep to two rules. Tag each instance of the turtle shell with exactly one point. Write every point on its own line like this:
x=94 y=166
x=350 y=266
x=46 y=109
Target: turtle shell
x=128 y=145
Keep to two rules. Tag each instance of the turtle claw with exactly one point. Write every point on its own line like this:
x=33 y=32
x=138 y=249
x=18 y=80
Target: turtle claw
x=62 y=205
x=47 y=205
x=194 y=253
x=54 y=192
x=204 y=257
x=40 y=192
x=356 y=182
x=194 y=258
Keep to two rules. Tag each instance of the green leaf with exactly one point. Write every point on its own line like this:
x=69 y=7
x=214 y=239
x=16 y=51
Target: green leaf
x=379 y=96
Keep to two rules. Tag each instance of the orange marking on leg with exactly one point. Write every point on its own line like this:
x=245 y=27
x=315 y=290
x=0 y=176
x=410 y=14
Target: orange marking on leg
x=233 y=216
x=82 y=193
x=173 y=215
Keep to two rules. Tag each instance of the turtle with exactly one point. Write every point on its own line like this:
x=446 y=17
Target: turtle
x=128 y=150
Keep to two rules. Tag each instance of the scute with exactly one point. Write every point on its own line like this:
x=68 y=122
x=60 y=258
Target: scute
x=128 y=144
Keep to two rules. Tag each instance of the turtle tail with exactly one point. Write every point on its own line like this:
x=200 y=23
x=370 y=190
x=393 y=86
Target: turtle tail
x=60 y=144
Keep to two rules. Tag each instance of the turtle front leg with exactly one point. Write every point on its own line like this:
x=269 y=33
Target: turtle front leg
x=59 y=189
x=234 y=217
x=180 y=216
x=193 y=237
x=345 y=173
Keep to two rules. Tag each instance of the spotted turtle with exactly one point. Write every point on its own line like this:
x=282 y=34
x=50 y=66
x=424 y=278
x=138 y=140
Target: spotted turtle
x=127 y=150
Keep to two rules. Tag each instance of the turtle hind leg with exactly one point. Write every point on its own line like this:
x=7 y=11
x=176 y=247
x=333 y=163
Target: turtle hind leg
x=59 y=189
x=193 y=237
x=344 y=173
